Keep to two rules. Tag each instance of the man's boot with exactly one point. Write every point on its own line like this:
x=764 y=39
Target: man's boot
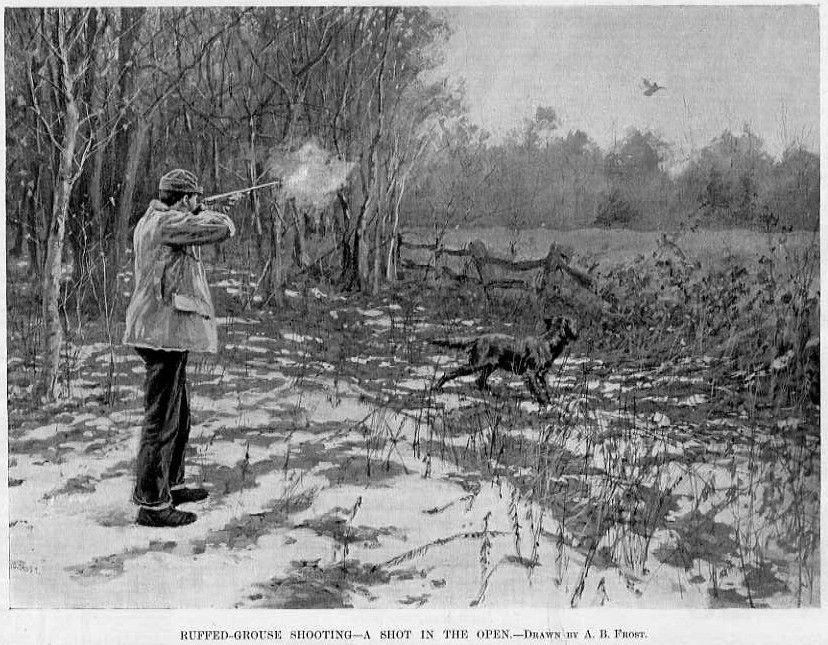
x=165 y=517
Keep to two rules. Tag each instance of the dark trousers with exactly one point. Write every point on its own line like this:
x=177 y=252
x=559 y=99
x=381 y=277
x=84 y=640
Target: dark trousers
x=166 y=428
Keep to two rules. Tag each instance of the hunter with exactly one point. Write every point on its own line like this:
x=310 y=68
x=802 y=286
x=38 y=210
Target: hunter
x=171 y=314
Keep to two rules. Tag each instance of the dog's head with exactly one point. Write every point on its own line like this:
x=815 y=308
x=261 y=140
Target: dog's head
x=563 y=325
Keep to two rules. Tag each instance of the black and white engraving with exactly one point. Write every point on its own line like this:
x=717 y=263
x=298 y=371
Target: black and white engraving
x=387 y=307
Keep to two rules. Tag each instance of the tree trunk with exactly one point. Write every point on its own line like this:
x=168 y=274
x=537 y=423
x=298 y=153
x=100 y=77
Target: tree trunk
x=195 y=142
x=53 y=330
x=129 y=32
x=252 y=176
x=274 y=281
x=355 y=271
x=362 y=254
x=214 y=165
x=35 y=246
x=350 y=249
x=19 y=234
x=393 y=238
x=360 y=274
x=379 y=234
x=91 y=180
x=360 y=248
x=300 y=253
x=135 y=153
x=253 y=196
x=19 y=224
x=95 y=185
x=214 y=177
x=76 y=239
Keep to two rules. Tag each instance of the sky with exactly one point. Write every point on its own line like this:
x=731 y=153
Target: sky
x=722 y=67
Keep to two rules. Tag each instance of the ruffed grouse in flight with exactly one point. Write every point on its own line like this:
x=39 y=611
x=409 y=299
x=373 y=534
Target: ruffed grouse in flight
x=651 y=88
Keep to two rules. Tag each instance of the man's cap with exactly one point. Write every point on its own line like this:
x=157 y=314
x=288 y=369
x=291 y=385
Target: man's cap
x=180 y=180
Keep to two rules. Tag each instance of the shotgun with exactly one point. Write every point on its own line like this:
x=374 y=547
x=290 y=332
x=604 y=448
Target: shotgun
x=216 y=199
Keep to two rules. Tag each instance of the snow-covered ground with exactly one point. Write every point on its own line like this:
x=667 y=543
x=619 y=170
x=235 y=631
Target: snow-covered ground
x=344 y=481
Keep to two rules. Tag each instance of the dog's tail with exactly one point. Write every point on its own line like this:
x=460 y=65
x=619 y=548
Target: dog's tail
x=455 y=342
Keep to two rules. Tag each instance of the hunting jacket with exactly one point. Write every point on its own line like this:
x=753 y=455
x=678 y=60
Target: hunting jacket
x=171 y=307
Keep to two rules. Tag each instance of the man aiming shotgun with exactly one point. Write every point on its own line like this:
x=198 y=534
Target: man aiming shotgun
x=171 y=314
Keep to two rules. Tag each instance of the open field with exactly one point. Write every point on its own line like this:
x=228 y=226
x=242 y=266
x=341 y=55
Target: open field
x=613 y=247
x=666 y=483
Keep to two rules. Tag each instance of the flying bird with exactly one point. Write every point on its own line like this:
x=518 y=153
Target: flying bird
x=651 y=88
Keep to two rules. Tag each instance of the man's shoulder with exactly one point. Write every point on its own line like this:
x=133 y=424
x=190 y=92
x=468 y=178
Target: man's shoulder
x=152 y=219
x=158 y=212
x=155 y=210
x=156 y=205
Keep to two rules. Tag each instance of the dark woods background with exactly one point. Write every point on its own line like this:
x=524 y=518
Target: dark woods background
x=101 y=102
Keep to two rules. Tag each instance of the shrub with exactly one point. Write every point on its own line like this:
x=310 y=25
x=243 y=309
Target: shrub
x=615 y=210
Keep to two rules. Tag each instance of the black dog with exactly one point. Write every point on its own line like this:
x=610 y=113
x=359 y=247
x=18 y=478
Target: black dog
x=530 y=357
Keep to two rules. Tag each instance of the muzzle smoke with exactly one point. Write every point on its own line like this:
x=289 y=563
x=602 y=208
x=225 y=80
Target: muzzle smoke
x=311 y=175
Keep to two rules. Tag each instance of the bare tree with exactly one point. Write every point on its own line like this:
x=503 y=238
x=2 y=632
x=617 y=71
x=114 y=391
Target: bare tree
x=65 y=41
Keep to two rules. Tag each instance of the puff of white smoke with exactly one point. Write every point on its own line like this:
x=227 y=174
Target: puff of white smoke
x=311 y=175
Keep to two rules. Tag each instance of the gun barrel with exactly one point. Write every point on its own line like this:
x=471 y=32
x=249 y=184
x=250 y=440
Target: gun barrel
x=242 y=191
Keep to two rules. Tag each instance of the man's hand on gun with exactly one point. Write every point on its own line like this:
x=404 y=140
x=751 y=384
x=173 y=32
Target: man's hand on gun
x=222 y=206
x=225 y=201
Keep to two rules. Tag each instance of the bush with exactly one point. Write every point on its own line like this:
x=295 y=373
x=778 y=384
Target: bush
x=615 y=210
x=757 y=320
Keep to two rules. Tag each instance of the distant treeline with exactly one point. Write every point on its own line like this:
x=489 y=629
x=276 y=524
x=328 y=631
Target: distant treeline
x=538 y=176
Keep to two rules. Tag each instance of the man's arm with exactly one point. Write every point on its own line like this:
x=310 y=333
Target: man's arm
x=204 y=227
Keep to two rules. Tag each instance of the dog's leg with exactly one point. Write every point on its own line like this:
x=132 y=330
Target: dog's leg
x=544 y=383
x=532 y=385
x=463 y=370
x=484 y=376
x=542 y=387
